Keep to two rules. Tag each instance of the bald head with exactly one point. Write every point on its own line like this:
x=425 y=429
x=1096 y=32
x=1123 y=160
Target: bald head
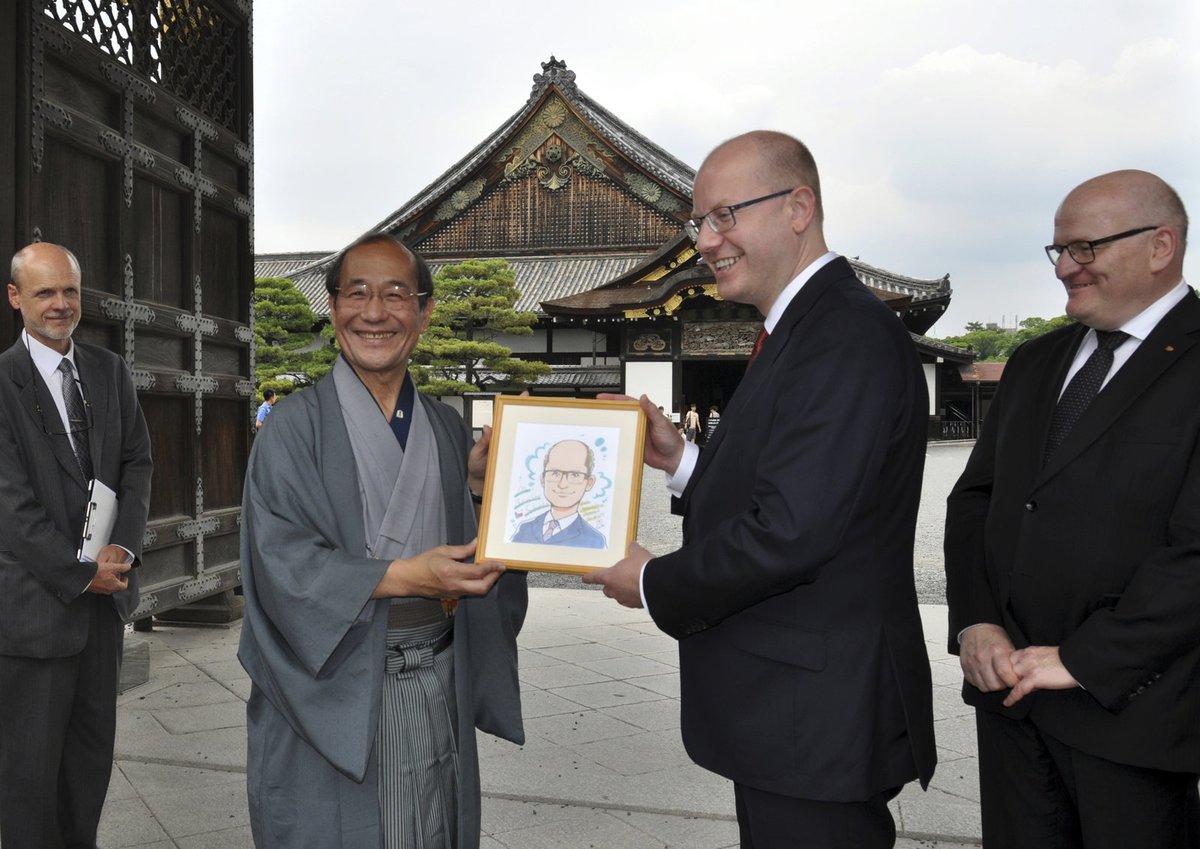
x=1140 y=195
x=44 y=255
x=45 y=287
x=781 y=160
x=1140 y=226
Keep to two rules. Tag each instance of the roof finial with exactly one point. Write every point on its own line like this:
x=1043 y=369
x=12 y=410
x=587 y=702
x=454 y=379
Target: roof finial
x=555 y=71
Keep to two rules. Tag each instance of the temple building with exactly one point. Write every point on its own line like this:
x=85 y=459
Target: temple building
x=588 y=213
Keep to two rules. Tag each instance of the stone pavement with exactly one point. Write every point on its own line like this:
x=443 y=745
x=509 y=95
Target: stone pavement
x=603 y=766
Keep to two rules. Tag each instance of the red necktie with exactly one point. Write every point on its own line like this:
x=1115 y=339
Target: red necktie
x=758 y=344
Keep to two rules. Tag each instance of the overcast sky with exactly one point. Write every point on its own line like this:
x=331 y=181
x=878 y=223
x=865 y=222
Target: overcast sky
x=946 y=131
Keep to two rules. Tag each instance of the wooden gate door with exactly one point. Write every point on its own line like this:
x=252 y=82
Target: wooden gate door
x=132 y=147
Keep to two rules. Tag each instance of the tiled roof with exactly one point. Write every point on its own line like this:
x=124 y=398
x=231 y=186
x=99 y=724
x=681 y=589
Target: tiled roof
x=592 y=377
x=539 y=278
x=942 y=349
x=675 y=173
x=889 y=281
x=981 y=372
x=282 y=265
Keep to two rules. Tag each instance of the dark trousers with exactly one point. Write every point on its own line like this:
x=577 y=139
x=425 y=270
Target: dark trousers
x=1038 y=793
x=770 y=821
x=57 y=728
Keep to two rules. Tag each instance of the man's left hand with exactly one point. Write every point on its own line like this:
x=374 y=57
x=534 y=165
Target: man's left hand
x=624 y=580
x=1039 y=668
x=113 y=554
x=477 y=461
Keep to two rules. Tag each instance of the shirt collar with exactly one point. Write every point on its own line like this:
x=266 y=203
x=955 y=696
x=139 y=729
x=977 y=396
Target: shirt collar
x=1141 y=324
x=46 y=358
x=792 y=289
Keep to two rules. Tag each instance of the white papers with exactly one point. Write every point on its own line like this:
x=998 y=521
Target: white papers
x=98 y=524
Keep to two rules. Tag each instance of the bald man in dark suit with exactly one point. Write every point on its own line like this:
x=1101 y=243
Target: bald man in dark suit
x=1073 y=545
x=803 y=672
x=68 y=414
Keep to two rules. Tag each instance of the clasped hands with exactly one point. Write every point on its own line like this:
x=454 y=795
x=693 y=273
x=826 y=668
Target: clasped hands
x=111 y=565
x=990 y=663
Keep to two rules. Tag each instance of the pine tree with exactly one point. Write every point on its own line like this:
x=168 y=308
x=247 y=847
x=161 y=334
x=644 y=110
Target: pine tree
x=289 y=351
x=458 y=353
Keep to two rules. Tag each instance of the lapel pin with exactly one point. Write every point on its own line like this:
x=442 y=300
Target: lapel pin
x=1170 y=348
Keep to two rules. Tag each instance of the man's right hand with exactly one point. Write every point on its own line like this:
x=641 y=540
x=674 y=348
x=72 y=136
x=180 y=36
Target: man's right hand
x=109 y=578
x=664 y=445
x=439 y=573
x=985 y=653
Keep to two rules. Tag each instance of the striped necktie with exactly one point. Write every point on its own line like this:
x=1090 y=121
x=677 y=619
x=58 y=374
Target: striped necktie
x=77 y=421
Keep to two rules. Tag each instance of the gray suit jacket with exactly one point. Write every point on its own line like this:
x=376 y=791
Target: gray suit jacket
x=43 y=498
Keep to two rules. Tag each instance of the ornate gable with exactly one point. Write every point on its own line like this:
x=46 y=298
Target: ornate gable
x=550 y=181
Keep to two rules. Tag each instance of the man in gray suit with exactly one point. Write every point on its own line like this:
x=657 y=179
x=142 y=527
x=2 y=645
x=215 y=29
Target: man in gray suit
x=68 y=414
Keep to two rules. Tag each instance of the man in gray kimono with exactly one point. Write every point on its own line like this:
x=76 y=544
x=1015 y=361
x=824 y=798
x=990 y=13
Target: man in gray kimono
x=374 y=646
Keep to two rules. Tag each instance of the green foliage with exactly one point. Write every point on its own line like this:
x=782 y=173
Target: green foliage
x=458 y=352
x=998 y=345
x=288 y=351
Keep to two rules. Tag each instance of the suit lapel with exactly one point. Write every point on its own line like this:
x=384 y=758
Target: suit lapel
x=760 y=375
x=96 y=395
x=35 y=394
x=1059 y=360
x=1174 y=335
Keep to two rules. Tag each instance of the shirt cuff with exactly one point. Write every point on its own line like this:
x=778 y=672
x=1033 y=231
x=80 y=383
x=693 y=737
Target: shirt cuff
x=642 y=584
x=683 y=472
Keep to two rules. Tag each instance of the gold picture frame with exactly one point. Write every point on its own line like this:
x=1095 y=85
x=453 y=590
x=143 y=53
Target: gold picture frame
x=592 y=452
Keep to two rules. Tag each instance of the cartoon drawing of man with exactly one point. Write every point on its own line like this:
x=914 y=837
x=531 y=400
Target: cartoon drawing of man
x=566 y=476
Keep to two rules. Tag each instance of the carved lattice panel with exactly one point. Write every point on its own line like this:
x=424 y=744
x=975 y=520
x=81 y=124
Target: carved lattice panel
x=189 y=47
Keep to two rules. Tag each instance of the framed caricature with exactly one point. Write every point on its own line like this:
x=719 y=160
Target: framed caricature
x=563 y=483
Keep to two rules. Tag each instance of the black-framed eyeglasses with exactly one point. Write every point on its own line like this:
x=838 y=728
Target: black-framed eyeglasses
x=556 y=475
x=395 y=298
x=1084 y=252
x=722 y=218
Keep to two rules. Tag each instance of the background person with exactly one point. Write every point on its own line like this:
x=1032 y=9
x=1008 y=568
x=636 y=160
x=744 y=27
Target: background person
x=68 y=414
x=1073 y=545
x=264 y=409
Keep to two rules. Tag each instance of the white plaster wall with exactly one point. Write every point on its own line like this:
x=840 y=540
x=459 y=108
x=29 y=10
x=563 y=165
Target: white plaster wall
x=578 y=341
x=654 y=380
x=931 y=384
x=532 y=344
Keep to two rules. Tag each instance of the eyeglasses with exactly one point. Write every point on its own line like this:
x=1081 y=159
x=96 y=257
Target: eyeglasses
x=722 y=219
x=1084 y=252
x=556 y=475
x=395 y=298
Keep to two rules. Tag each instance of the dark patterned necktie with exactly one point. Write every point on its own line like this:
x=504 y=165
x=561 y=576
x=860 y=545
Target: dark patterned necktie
x=1082 y=388
x=757 y=349
x=76 y=418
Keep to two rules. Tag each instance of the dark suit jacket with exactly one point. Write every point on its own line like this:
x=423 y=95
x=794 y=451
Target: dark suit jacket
x=578 y=534
x=802 y=662
x=1098 y=552
x=43 y=498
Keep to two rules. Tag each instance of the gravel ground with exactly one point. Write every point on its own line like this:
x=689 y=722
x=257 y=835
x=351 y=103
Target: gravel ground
x=660 y=532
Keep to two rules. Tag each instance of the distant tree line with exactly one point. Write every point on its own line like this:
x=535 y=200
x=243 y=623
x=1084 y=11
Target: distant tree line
x=995 y=345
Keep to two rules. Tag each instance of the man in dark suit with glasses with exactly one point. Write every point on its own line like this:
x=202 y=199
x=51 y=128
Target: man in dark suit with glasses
x=1073 y=545
x=69 y=416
